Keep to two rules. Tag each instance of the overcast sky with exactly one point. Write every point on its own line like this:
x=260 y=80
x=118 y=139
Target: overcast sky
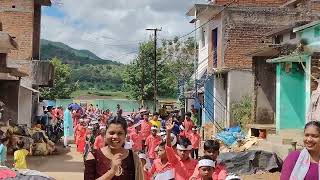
x=113 y=28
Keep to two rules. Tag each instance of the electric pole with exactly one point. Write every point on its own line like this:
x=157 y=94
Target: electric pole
x=155 y=67
x=142 y=79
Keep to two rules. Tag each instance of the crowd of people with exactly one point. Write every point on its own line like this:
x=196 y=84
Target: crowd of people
x=145 y=146
x=141 y=145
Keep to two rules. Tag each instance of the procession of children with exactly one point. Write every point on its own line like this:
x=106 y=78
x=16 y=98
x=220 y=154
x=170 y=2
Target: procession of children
x=167 y=148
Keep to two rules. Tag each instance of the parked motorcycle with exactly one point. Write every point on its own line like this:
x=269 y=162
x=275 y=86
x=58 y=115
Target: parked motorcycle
x=55 y=131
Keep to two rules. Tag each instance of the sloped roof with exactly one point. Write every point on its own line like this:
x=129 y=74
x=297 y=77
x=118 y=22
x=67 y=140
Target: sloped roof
x=314 y=23
x=288 y=28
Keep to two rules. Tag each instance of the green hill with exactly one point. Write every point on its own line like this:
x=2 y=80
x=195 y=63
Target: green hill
x=92 y=72
x=69 y=55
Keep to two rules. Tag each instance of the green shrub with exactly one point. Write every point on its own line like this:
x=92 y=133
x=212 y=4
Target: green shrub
x=241 y=111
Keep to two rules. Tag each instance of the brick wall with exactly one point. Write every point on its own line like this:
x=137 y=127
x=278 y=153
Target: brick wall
x=242 y=39
x=245 y=32
x=17 y=17
x=25 y=5
x=265 y=3
x=315 y=6
x=315 y=71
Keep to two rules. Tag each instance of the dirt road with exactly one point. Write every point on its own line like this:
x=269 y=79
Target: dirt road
x=68 y=165
x=65 y=166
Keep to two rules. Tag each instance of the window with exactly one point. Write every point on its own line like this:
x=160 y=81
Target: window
x=278 y=39
x=293 y=35
x=203 y=39
x=3 y=62
x=215 y=47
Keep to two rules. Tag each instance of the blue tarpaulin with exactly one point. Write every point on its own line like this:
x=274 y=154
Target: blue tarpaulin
x=230 y=136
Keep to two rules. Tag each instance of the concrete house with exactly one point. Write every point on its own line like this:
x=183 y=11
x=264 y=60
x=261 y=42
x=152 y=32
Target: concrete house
x=21 y=19
x=227 y=31
x=279 y=71
x=9 y=79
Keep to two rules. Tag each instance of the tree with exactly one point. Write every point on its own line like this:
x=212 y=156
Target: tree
x=178 y=58
x=132 y=76
x=62 y=84
x=175 y=63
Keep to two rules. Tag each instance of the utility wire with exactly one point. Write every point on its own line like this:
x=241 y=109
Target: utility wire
x=189 y=33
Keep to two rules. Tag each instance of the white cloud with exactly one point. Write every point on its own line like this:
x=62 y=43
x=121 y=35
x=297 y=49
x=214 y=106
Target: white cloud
x=110 y=28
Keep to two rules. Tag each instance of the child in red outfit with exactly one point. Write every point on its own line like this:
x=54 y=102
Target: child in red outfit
x=145 y=165
x=145 y=128
x=206 y=168
x=161 y=165
x=100 y=140
x=195 y=142
x=181 y=162
x=188 y=124
x=151 y=143
x=211 y=148
x=136 y=138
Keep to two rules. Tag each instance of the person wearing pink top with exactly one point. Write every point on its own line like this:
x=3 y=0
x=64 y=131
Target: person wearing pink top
x=188 y=124
x=145 y=128
x=130 y=128
x=195 y=142
x=152 y=142
x=100 y=140
x=211 y=148
x=80 y=136
x=136 y=138
x=181 y=162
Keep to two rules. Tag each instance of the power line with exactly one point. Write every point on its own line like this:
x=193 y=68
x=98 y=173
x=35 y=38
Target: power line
x=226 y=6
x=107 y=37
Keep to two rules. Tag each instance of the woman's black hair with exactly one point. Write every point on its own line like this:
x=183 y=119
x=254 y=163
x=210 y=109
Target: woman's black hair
x=211 y=145
x=313 y=123
x=118 y=120
x=183 y=141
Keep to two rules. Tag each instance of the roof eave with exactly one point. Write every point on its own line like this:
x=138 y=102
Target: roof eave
x=265 y=52
x=306 y=26
x=198 y=7
x=289 y=58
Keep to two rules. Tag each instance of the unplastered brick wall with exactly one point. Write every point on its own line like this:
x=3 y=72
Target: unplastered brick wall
x=17 y=17
x=245 y=30
x=264 y=3
x=20 y=5
x=315 y=6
